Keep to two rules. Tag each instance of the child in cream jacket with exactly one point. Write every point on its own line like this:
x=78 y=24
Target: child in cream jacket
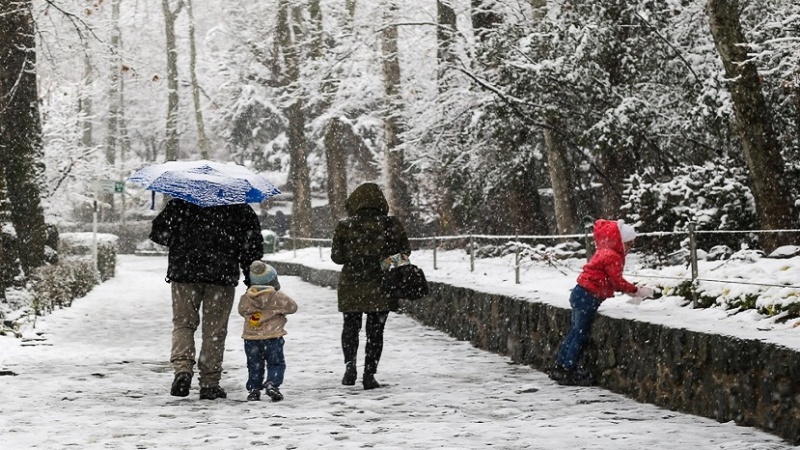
x=264 y=309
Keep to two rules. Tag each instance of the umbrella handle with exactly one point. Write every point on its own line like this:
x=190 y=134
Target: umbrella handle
x=152 y=200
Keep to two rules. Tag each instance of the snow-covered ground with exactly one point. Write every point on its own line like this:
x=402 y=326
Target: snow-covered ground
x=96 y=376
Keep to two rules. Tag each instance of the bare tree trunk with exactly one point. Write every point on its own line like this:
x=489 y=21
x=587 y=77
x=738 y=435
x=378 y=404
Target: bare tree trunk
x=317 y=39
x=124 y=142
x=796 y=90
x=21 y=130
x=524 y=204
x=289 y=34
x=86 y=104
x=397 y=188
x=301 y=205
x=614 y=165
x=8 y=261
x=336 y=157
x=762 y=150
x=484 y=19
x=202 y=141
x=336 y=145
x=170 y=16
x=445 y=57
x=560 y=175
x=112 y=131
x=558 y=165
x=445 y=31
x=5 y=220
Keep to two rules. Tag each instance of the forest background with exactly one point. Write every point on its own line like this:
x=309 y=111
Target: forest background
x=485 y=116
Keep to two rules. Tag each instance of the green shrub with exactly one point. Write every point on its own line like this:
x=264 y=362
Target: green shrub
x=744 y=303
x=57 y=285
x=705 y=301
x=128 y=234
x=684 y=289
x=687 y=290
x=10 y=269
x=80 y=244
x=106 y=261
x=790 y=311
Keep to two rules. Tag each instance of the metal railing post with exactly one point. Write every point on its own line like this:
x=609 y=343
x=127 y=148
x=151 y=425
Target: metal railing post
x=94 y=235
x=435 y=244
x=294 y=246
x=693 y=258
x=516 y=259
x=471 y=254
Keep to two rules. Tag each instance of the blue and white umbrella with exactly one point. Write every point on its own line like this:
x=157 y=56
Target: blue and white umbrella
x=205 y=183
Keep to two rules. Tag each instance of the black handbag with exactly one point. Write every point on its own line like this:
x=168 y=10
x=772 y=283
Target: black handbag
x=406 y=282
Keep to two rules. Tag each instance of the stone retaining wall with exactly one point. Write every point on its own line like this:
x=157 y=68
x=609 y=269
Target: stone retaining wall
x=721 y=377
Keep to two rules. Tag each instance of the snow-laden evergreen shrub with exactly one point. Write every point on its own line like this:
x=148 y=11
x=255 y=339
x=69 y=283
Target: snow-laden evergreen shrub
x=80 y=245
x=714 y=195
x=57 y=285
x=10 y=270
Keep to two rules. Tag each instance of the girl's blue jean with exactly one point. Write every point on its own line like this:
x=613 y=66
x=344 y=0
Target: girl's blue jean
x=584 y=308
x=264 y=355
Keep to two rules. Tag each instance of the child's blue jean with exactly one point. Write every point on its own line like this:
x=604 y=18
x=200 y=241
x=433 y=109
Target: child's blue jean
x=584 y=307
x=264 y=355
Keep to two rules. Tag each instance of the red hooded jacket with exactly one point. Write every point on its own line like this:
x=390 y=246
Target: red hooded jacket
x=602 y=275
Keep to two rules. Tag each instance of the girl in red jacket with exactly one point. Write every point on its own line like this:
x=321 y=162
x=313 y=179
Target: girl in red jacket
x=600 y=278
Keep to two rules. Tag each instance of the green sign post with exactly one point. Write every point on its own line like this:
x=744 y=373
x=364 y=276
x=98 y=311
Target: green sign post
x=109 y=186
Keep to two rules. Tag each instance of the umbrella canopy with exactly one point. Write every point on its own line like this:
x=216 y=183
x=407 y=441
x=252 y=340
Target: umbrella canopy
x=205 y=183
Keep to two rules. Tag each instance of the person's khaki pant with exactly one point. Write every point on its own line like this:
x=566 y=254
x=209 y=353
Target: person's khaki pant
x=216 y=301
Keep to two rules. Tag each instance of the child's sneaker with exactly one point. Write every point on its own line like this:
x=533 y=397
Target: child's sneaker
x=274 y=393
x=255 y=395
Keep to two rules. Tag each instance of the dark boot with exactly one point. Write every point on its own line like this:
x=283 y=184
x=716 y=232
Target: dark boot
x=350 y=374
x=369 y=381
x=254 y=396
x=181 y=384
x=212 y=393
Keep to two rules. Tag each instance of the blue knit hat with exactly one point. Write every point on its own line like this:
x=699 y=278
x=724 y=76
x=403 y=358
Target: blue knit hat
x=262 y=274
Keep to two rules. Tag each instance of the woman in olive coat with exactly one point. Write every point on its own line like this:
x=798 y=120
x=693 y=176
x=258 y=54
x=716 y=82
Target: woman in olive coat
x=360 y=242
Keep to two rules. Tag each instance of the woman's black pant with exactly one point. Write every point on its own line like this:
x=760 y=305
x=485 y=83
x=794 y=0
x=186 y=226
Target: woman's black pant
x=376 y=321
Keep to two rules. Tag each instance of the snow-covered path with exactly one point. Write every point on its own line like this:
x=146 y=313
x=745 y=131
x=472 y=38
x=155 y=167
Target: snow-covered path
x=98 y=378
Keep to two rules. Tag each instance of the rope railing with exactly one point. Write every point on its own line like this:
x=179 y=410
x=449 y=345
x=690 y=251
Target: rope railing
x=517 y=264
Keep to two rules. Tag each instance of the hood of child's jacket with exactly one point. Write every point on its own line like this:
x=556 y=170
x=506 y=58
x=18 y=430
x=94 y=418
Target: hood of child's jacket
x=367 y=196
x=606 y=236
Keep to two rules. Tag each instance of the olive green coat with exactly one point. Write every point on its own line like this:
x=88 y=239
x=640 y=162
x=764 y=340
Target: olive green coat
x=360 y=242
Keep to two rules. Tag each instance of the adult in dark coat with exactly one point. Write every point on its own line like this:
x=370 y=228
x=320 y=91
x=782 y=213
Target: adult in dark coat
x=208 y=249
x=360 y=242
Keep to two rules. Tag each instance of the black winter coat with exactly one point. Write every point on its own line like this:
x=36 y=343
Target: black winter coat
x=208 y=245
x=360 y=242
